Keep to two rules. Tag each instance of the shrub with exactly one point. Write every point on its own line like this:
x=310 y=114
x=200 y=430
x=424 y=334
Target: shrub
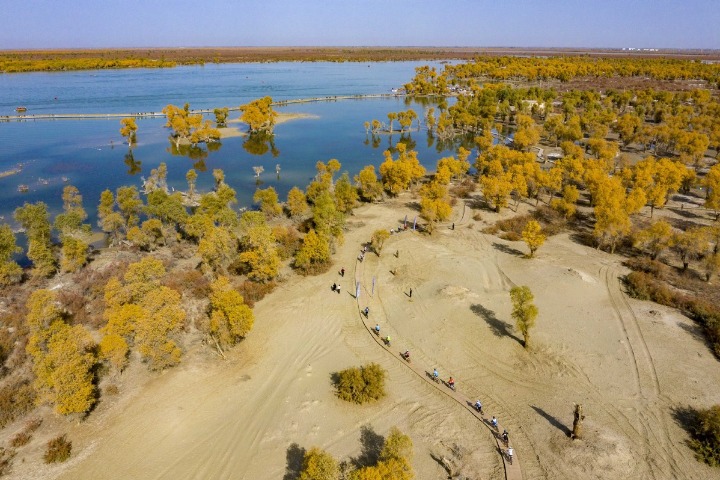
x=319 y=465
x=191 y=282
x=254 y=292
x=464 y=189
x=288 y=241
x=361 y=385
x=6 y=457
x=112 y=389
x=23 y=437
x=16 y=399
x=706 y=436
x=58 y=450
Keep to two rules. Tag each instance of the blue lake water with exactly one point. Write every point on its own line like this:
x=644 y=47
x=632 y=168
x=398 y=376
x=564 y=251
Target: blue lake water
x=91 y=156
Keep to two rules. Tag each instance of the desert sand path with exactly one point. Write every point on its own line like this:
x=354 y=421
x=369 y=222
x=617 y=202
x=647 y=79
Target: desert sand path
x=512 y=467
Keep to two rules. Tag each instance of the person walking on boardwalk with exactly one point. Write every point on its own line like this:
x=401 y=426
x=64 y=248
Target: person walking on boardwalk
x=342 y=272
x=510 y=453
x=505 y=438
x=494 y=422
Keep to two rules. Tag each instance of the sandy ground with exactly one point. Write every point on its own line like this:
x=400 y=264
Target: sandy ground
x=629 y=363
x=236 y=131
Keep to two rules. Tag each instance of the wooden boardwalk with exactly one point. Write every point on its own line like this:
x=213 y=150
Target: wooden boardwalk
x=513 y=470
x=279 y=103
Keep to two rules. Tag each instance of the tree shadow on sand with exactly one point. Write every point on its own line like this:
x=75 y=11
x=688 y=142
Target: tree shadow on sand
x=499 y=328
x=507 y=249
x=552 y=420
x=372 y=444
x=294 y=457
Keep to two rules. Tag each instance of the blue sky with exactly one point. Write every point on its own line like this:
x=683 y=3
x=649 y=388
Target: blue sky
x=520 y=23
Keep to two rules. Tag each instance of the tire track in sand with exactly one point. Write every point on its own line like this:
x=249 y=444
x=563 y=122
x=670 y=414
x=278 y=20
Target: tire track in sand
x=661 y=453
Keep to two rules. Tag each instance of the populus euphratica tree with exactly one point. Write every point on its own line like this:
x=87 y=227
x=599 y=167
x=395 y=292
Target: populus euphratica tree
x=259 y=115
x=533 y=236
x=524 y=311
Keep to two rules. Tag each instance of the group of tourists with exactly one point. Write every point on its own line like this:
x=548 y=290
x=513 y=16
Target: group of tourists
x=504 y=437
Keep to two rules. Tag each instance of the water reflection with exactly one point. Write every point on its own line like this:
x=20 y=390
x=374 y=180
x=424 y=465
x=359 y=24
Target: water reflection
x=259 y=143
x=134 y=166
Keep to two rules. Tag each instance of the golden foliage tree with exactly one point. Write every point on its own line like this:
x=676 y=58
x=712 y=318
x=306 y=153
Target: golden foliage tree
x=296 y=202
x=319 y=465
x=367 y=181
x=314 y=253
x=10 y=271
x=268 y=200
x=524 y=311
x=230 y=318
x=34 y=218
x=655 y=239
x=128 y=129
x=259 y=115
x=62 y=356
x=259 y=250
x=145 y=314
x=434 y=203
x=378 y=239
x=533 y=236
x=398 y=175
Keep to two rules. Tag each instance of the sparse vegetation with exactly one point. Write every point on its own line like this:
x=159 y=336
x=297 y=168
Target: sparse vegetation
x=705 y=433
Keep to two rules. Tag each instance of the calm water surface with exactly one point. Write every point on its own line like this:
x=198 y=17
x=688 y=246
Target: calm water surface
x=89 y=153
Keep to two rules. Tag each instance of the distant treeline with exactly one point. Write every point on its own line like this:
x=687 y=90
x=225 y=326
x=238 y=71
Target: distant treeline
x=59 y=60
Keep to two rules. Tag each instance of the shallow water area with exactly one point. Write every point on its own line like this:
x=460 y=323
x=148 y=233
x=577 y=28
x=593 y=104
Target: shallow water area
x=89 y=153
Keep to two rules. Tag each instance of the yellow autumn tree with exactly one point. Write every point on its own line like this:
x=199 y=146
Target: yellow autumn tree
x=434 y=203
x=533 y=236
x=314 y=253
x=62 y=356
x=654 y=239
x=10 y=271
x=259 y=115
x=317 y=464
x=128 y=129
x=230 y=318
x=268 y=200
x=368 y=184
x=259 y=251
x=145 y=315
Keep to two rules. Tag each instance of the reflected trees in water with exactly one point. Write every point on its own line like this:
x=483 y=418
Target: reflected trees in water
x=260 y=143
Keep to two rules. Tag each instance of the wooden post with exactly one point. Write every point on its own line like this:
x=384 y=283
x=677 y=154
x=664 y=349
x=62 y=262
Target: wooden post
x=577 y=423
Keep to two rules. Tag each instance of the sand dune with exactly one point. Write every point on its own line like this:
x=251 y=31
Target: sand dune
x=628 y=362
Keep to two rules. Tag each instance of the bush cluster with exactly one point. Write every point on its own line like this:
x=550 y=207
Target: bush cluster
x=551 y=222
x=645 y=286
x=25 y=435
x=254 y=292
x=361 y=385
x=16 y=399
x=58 y=450
x=706 y=436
